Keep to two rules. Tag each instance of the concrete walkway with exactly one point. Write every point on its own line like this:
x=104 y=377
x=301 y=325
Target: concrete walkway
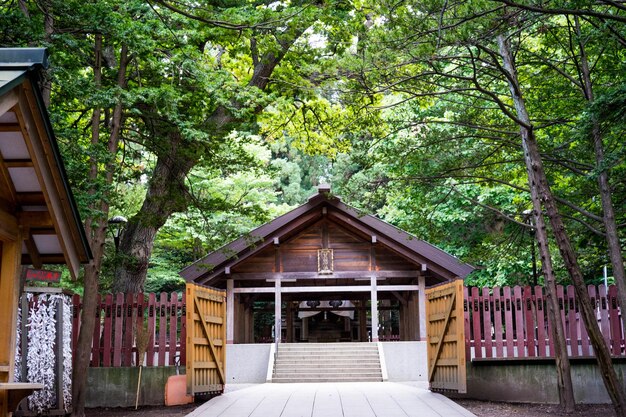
x=342 y=399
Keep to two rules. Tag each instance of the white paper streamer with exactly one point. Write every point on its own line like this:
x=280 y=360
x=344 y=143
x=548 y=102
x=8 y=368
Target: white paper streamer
x=40 y=359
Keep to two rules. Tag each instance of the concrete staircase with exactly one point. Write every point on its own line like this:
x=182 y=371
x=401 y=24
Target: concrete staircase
x=327 y=362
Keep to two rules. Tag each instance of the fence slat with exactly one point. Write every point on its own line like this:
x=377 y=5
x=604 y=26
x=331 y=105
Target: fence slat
x=497 y=321
x=571 y=319
x=508 y=321
x=478 y=346
x=487 y=322
x=139 y=325
x=162 y=328
x=604 y=315
x=95 y=340
x=616 y=328
x=529 y=318
x=173 y=307
x=107 y=352
x=584 y=337
x=561 y=302
x=76 y=307
x=183 y=330
x=541 y=322
x=130 y=309
x=151 y=326
x=519 y=322
x=117 y=329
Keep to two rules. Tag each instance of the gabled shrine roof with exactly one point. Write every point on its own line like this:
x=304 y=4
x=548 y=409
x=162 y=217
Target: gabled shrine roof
x=209 y=269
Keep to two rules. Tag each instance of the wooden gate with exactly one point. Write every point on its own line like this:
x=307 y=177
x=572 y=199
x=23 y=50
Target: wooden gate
x=446 y=337
x=206 y=340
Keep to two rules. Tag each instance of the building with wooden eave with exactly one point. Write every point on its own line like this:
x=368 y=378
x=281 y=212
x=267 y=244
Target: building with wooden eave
x=327 y=273
x=39 y=221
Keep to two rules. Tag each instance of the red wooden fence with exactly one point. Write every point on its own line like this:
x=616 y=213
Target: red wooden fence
x=119 y=316
x=513 y=322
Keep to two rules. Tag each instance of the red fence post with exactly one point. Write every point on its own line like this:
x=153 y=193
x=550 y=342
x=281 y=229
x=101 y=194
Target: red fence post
x=616 y=328
x=486 y=313
x=572 y=322
x=139 y=325
x=108 y=330
x=478 y=346
x=76 y=307
x=162 y=328
x=151 y=325
x=95 y=340
x=604 y=315
x=128 y=329
x=541 y=322
x=508 y=320
x=519 y=321
x=117 y=329
x=183 y=330
x=529 y=318
x=173 y=311
x=584 y=337
x=497 y=321
x=561 y=313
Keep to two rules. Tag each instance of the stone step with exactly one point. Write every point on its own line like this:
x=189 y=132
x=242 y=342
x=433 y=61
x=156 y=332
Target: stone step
x=347 y=362
x=317 y=380
x=329 y=372
x=326 y=362
x=326 y=357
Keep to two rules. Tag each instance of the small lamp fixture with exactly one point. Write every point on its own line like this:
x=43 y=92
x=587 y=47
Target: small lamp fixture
x=116 y=225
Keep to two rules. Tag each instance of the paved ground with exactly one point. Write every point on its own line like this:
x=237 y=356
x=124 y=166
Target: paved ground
x=345 y=399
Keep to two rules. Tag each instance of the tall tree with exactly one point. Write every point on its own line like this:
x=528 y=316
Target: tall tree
x=249 y=44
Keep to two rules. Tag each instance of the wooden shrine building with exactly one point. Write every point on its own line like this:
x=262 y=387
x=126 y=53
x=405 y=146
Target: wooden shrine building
x=39 y=221
x=331 y=273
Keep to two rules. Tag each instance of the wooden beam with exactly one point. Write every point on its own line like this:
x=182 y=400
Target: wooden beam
x=37 y=142
x=394 y=246
x=8 y=226
x=35 y=220
x=33 y=252
x=252 y=276
x=6 y=183
x=324 y=289
x=31 y=199
x=9 y=127
x=18 y=163
x=7 y=101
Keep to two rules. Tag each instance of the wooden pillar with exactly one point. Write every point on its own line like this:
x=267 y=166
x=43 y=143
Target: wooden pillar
x=289 y=323
x=362 y=322
x=230 y=311
x=374 y=307
x=304 y=333
x=277 y=311
x=10 y=260
x=248 y=321
x=421 y=311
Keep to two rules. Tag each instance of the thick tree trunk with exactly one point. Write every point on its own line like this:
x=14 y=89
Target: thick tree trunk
x=608 y=214
x=167 y=194
x=537 y=180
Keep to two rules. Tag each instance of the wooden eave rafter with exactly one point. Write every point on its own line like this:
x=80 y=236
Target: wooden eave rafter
x=34 y=134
